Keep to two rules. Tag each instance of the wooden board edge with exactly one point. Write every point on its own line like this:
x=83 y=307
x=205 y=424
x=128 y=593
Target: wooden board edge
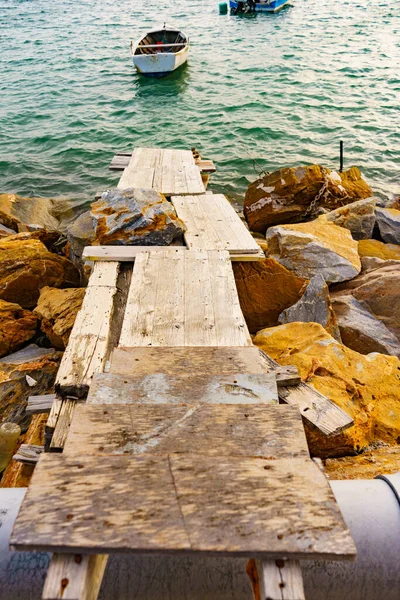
x=74 y=577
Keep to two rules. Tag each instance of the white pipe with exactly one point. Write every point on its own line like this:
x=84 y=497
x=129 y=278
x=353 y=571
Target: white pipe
x=370 y=508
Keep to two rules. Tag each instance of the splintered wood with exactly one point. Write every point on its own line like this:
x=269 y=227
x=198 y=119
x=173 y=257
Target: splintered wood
x=167 y=171
x=183 y=299
x=232 y=506
x=88 y=345
x=213 y=224
x=212 y=430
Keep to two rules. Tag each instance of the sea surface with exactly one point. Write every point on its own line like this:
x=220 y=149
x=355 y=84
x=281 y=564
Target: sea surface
x=259 y=92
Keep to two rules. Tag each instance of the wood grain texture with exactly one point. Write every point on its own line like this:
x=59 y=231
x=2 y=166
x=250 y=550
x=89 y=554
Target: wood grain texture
x=276 y=580
x=212 y=224
x=74 y=577
x=166 y=171
x=108 y=388
x=89 y=343
x=186 y=361
x=40 y=404
x=213 y=430
x=315 y=408
x=61 y=429
x=129 y=253
x=187 y=308
x=233 y=506
x=121 y=160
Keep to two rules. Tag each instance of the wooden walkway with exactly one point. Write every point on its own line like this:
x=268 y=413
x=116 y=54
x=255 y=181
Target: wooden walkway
x=181 y=445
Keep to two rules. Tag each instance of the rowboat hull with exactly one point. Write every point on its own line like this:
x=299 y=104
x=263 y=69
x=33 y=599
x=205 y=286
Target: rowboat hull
x=271 y=7
x=161 y=64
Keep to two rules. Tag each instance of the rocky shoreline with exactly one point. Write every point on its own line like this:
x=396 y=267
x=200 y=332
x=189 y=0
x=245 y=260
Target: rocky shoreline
x=325 y=299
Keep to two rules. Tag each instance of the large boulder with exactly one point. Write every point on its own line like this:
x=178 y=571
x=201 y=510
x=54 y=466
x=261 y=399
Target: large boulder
x=17 y=326
x=379 y=289
x=376 y=249
x=51 y=239
x=30 y=371
x=315 y=247
x=313 y=307
x=293 y=194
x=265 y=288
x=27 y=266
x=388 y=220
x=57 y=310
x=358 y=217
x=17 y=213
x=366 y=387
x=135 y=217
x=361 y=330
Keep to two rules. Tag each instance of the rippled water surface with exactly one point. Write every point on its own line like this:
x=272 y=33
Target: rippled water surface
x=259 y=92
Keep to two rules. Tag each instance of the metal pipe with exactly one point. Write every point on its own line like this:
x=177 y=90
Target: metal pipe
x=371 y=509
x=341 y=156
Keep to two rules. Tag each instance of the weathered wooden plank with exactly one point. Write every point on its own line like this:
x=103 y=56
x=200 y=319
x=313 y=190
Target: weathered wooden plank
x=233 y=506
x=188 y=361
x=129 y=253
x=276 y=579
x=316 y=409
x=62 y=427
x=89 y=343
x=212 y=224
x=191 y=389
x=287 y=376
x=212 y=430
x=199 y=297
x=74 y=577
x=40 y=404
x=28 y=453
x=121 y=160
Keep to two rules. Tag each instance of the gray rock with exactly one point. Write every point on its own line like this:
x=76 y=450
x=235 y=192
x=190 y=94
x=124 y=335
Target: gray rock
x=358 y=217
x=135 y=217
x=313 y=307
x=81 y=233
x=361 y=330
x=5 y=231
x=388 y=220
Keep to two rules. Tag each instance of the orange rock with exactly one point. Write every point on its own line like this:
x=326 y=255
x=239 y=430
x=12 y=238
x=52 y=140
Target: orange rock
x=57 y=310
x=265 y=289
x=378 y=250
x=368 y=465
x=366 y=387
x=17 y=326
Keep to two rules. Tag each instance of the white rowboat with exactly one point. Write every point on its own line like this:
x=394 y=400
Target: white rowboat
x=160 y=52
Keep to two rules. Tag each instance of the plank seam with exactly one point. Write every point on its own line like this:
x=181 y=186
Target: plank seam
x=178 y=501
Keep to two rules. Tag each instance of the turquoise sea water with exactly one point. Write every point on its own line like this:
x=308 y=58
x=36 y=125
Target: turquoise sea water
x=259 y=92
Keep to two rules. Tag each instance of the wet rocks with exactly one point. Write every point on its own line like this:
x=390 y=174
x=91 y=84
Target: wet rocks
x=24 y=373
x=57 y=310
x=18 y=213
x=17 y=327
x=358 y=217
x=379 y=289
x=360 y=330
x=315 y=247
x=366 y=387
x=27 y=266
x=292 y=194
x=265 y=289
x=80 y=234
x=388 y=220
x=135 y=217
x=376 y=249
x=313 y=307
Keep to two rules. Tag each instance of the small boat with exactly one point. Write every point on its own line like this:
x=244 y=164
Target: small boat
x=160 y=52
x=248 y=6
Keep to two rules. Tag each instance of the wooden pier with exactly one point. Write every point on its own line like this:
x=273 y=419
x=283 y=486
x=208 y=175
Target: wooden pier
x=171 y=432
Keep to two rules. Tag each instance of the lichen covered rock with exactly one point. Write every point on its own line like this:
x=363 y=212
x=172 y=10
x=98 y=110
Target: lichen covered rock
x=313 y=307
x=366 y=387
x=135 y=217
x=358 y=217
x=17 y=326
x=292 y=194
x=376 y=249
x=41 y=365
x=27 y=266
x=57 y=310
x=17 y=212
x=368 y=465
x=361 y=330
x=388 y=220
x=316 y=247
x=265 y=288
